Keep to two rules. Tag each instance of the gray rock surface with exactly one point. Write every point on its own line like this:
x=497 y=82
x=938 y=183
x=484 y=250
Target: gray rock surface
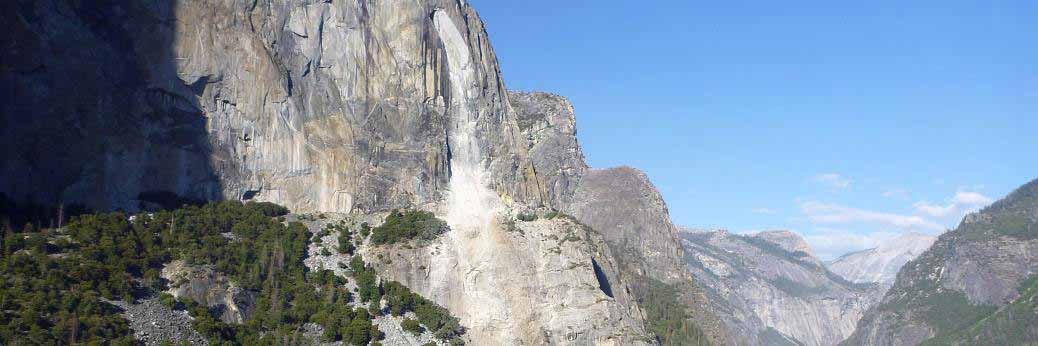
x=550 y=127
x=768 y=283
x=394 y=334
x=788 y=241
x=623 y=205
x=208 y=287
x=154 y=324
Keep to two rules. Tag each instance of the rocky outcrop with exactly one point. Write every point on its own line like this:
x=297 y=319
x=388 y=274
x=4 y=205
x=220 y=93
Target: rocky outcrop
x=208 y=287
x=315 y=105
x=323 y=254
x=156 y=324
x=787 y=241
x=964 y=281
x=551 y=281
x=881 y=264
x=768 y=287
x=619 y=203
x=550 y=127
x=624 y=205
x=630 y=213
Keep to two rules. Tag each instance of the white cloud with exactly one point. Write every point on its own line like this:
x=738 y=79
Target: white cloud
x=933 y=210
x=895 y=193
x=839 y=229
x=765 y=211
x=828 y=213
x=971 y=199
x=833 y=181
x=963 y=202
x=830 y=243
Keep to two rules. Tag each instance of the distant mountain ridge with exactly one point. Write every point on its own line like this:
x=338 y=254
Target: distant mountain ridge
x=881 y=264
x=787 y=240
x=769 y=289
x=975 y=285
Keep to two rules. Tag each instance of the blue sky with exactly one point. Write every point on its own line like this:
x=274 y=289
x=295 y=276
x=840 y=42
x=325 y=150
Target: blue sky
x=845 y=122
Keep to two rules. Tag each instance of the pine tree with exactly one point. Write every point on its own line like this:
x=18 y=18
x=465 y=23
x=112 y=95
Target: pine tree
x=359 y=330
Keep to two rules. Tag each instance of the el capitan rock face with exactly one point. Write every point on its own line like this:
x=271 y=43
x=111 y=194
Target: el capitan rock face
x=316 y=105
x=344 y=106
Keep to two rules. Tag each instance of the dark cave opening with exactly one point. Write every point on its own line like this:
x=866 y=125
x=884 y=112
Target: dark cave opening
x=603 y=281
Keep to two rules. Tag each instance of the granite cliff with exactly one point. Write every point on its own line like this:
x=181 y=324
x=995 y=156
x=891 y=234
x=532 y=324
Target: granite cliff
x=315 y=105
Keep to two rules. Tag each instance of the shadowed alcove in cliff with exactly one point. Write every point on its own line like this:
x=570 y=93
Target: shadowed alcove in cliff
x=93 y=111
x=603 y=280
